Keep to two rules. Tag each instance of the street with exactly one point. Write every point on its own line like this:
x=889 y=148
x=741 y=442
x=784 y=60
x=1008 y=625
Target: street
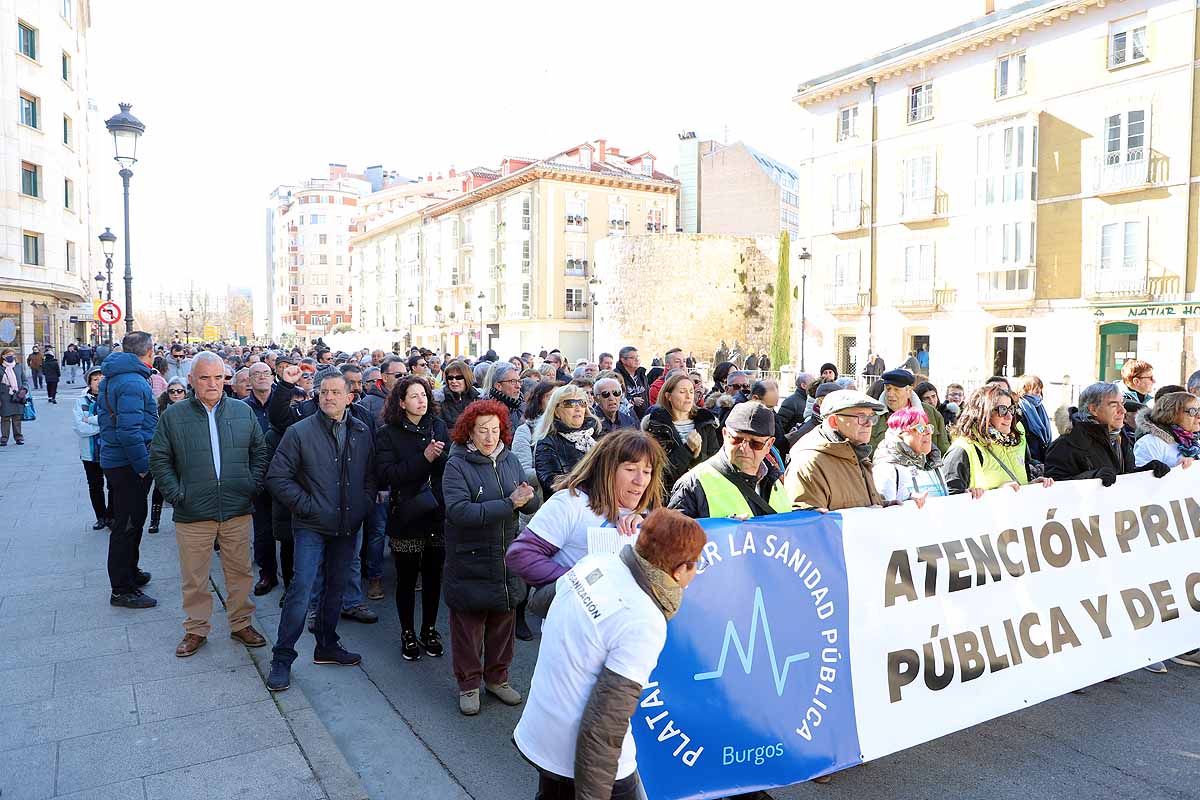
x=93 y=702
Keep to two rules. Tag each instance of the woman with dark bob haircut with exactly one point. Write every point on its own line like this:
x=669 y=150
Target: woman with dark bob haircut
x=484 y=488
x=410 y=456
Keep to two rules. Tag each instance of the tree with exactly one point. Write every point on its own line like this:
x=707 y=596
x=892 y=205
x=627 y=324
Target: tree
x=781 y=332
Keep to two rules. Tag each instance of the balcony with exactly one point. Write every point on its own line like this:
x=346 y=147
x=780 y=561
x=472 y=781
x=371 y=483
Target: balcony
x=846 y=299
x=1129 y=282
x=577 y=267
x=576 y=223
x=921 y=295
x=847 y=220
x=576 y=312
x=1128 y=171
x=924 y=206
x=1007 y=287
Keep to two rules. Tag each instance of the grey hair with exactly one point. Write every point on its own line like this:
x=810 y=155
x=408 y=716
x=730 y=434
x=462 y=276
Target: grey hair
x=495 y=374
x=596 y=385
x=137 y=342
x=370 y=373
x=1193 y=381
x=803 y=379
x=1095 y=394
x=204 y=357
x=243 y=371
x=1165 y=408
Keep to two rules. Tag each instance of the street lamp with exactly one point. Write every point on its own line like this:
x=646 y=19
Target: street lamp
x=805 y=258
x=187 y=322
x=108 y=243
x=412 y=321
x=593 y=282
x=126 y=129
x=480 y=298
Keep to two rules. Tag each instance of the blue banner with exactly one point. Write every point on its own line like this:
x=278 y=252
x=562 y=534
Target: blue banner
x=753 y=688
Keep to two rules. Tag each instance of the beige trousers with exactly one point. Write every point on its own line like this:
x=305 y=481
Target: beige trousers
x=195 y=541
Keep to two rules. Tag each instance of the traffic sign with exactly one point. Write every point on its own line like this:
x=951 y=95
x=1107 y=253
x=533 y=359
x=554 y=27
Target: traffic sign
x=109 y=313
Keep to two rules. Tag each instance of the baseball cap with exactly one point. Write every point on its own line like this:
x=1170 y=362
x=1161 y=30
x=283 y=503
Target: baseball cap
x=751 y=417
x=843 y=399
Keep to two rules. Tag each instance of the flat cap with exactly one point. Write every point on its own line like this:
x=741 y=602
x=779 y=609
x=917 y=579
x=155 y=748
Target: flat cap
x=844 y=399
x=751 y=417
x=897 y=377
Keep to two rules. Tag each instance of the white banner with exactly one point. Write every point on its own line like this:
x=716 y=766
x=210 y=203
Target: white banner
x=969 y=609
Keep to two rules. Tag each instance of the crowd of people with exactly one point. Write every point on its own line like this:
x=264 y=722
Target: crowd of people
x=486 y=480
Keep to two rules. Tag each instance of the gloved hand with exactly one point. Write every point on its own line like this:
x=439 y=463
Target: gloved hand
x=1158 y=468
x=1107 y=476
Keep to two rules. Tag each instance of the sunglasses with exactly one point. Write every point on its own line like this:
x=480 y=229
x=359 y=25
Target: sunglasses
x=455 y=378
x=422 y=364
x=1003 y=411
x=737 y=441
x=574 y=403
x=921 y=427
x=609 y=393
x=176 y=391
x=741 y=386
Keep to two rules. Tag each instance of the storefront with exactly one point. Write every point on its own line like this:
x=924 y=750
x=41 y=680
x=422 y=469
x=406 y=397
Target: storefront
x=1165 y=334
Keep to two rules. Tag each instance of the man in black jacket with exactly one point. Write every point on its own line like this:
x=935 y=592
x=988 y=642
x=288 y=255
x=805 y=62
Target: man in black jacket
x=1097 y=445
x=794 y=407
x=637 y=389
x=324 y=471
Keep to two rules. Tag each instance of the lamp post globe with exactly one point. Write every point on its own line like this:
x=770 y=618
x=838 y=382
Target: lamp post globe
x=126 y=129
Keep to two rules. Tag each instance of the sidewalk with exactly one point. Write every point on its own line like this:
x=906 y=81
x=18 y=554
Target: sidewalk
x=93 y=702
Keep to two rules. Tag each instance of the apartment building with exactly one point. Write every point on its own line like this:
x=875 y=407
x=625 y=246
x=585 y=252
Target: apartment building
x=48 y=146
x=505 y=263
x=309 y=252
x=1016 y=194
x=735 y=189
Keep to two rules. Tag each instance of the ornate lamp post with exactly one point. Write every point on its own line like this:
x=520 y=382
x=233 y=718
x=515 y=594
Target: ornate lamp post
x=805 y=259
x=108 y=242
x=126 y=129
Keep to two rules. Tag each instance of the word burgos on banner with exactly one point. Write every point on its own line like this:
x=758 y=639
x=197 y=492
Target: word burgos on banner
x=1011 y=554
x=781 y=550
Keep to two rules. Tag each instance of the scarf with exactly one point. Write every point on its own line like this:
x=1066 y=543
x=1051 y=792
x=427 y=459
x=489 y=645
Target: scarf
x=662 y=588
x=10 y=376
x=1189 y=443
x=513 y=403
x=900 y=454
x=1036 y=419
x=583 y=438
x=495 y=453
x=1010 y=439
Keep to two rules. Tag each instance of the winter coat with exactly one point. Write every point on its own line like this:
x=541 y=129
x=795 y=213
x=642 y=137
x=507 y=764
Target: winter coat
x=679 y=456
x=402 y=469
x=1037 y=427
x=624 y=420
x=373 y=400
x=636 y=385
x=34 y=361
x=454 y=403
x=829 y=474
x=71 y=358
x=157 y=384
x=327 y=491
x=554 y=455
x=87 y=427
x=523 y=446
x=8 y=406
x=181 y=459
x=177 y=368
x=1082 y=453
x=1154 y=443
x=51 y=371
x=792 y=410
x=480 y=524
x=941 y=440
x=127 y=413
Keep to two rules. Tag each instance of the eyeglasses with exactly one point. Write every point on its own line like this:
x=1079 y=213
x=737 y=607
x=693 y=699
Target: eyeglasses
x=754 y=445
x=609 y=393
x=574 y=403
x=1003 y=411
x=921 y=427
x=1194 y=411
x=861 y=419
x=422 y=364
x=510 y=380
x=1149 y=377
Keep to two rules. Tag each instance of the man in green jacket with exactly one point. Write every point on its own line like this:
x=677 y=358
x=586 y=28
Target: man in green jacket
x=208 y=458
x=898 y=394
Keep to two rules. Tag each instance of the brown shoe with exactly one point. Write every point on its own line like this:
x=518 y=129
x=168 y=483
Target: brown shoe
x=249 y=637
x=375 y=589
x=189 y=645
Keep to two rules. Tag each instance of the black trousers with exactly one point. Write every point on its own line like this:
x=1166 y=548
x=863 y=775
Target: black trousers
x=264 y=538
x=428 y=564
x=95 y=479
x=556 y=787
x=127 y=494
x=51 y=389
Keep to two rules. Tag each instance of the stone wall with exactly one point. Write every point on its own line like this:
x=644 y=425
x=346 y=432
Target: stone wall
x=685 y=290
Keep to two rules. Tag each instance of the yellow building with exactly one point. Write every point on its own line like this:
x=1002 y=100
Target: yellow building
x=510 y=255
x=1016 y=194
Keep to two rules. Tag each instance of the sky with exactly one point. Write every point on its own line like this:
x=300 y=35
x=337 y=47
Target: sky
x=239 y=97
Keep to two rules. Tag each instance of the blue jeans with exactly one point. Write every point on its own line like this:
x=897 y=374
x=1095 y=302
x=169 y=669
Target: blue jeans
x=375 y=529
x=352 y=595
x=314 y=551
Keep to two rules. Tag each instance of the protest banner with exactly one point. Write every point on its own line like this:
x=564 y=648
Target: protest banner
x=809 y=643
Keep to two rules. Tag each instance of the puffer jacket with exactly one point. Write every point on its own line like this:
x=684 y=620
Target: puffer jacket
x=480 y=525
x=373 y=400
x=327 y=491
x=182 y=464
x=1155 y=443
x=679 y=457
x=555 y=455
x=402 y=469
x=829 y=474
x=50 y=369
x=87 y=427
x=1084 y=451
x=127 y=413
x=453 y=404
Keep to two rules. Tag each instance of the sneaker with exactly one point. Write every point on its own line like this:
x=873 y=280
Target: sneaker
x=142 y=578
x=1188 y=659
x=431 y=640
x=408 y=646
x=1158 y=668
x=375 y=588
x=338 y=655
x=100 y=525
x=312 y=622
x=361 y=614
x=522 y=630
x=468 y=702
x=280 y=678
x=134 y=599
x=505 y=693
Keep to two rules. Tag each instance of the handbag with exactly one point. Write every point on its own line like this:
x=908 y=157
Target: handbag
x=20 y=396
x=416 y=508
x=28 y=413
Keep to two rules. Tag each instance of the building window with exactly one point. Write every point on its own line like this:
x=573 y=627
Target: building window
x=66 y=67
x=1122 y=247
x=1125 y=137
x=654 y=221
x=847 y=123
x=1006 y=164
x=32 y=254
x=31 y=179
x=322 y=259
x=618 y=217
x=918 y=264
x=574 y=300
x=647 y=167
x=1008 y=244
x=526 y=213
x=27 y=40
x=321 y=238
x=337 y=299
x=324 y=299
x=70 y=256
x=526 y=294
x=68 y=194
x=575 y=214
x=338 y=261
x=920 y=102
x=1127 y=41
x=919 y=173
x=29 y=110
x=1010 y=75
x=68 y=11
x=526 y=250
x=68 y=137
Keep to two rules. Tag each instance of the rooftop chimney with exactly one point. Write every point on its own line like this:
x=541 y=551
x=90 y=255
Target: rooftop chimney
x=603 y=150
x=989 y=7
x=453 y=174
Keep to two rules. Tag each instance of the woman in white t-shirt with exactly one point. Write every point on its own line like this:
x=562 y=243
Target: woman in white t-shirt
x=600 y=643
x=616 y=483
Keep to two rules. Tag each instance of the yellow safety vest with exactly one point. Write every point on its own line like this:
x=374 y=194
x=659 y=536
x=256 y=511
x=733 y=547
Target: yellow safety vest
x=725 y=499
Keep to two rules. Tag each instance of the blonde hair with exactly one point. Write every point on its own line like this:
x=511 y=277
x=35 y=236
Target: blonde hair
x=567 y=392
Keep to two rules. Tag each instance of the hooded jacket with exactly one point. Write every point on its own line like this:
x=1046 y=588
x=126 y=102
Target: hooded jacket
x=177 y=367
x=127 y=413
x=830 y=474
x=87 y=427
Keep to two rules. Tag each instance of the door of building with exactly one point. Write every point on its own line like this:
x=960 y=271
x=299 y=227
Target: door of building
x=1008 y=350
x=847 y=359
x=1118 y=344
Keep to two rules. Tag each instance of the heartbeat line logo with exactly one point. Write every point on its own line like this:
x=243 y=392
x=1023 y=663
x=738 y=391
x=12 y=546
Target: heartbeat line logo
x=746 y=655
